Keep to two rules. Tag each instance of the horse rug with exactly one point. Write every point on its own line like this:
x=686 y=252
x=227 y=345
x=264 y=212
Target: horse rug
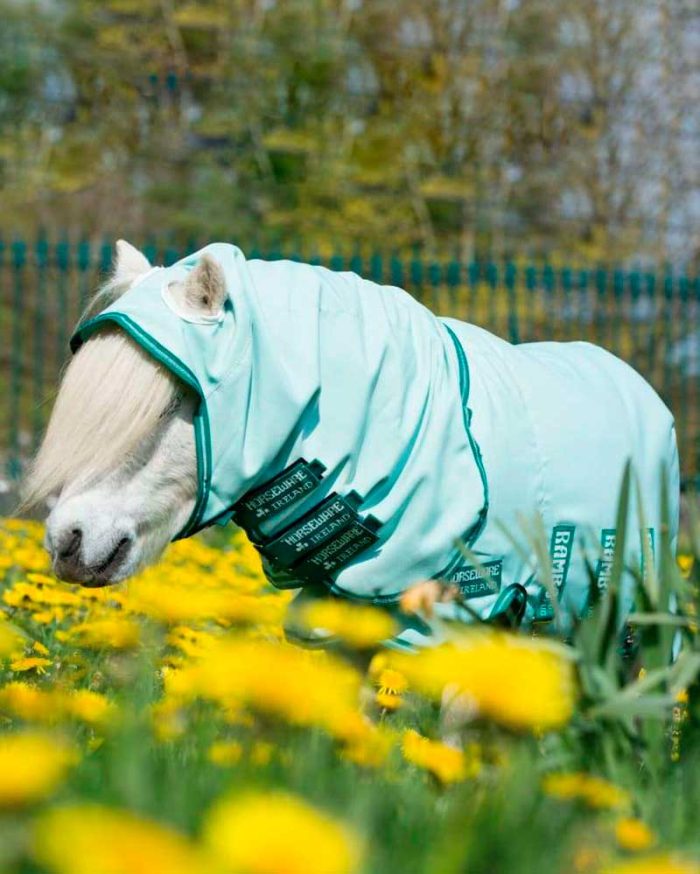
x=360 y=440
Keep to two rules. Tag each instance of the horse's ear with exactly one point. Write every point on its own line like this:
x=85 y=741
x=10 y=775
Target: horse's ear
x=205 y=287
x=129 y=263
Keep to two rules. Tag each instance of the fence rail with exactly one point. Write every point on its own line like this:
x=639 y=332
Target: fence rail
x=651 y=320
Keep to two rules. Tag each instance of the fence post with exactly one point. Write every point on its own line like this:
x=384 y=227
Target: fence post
x=453 y=278
x=435 y=279
x=566 y=308
x=83 y=261
x=510 y=279
x=376 y=267
x=63 y=265
x=583 y=298
x=530 y=302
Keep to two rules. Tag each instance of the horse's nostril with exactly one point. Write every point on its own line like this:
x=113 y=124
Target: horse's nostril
x=69 y=544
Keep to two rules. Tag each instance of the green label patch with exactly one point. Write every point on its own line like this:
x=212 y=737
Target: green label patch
x=278 y=494
x=543 y=610
x=312 y=530
x=608 y=539
x=475 y=584
x=560 y=548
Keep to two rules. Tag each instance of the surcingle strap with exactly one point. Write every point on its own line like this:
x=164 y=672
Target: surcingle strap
x=314 y=546
x=281 y=493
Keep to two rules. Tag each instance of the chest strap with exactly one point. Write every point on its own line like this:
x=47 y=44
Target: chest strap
x=315 y=545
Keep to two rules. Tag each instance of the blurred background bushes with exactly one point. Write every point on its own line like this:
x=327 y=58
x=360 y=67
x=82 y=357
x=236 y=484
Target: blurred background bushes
x=467 y=128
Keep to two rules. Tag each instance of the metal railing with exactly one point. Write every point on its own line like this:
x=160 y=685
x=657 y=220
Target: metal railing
x=651 y=320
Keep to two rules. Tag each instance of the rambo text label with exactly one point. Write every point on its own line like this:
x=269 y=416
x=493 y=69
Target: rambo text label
x=560 y=549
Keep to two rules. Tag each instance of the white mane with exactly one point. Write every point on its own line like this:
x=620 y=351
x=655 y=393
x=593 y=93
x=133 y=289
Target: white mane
x=109 y=401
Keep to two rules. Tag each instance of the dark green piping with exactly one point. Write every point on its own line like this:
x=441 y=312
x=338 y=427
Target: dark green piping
x=475 y=530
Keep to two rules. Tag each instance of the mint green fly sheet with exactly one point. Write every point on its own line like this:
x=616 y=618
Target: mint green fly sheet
x=358 y=438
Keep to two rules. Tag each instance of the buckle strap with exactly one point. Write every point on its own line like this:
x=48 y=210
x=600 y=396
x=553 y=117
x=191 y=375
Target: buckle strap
x=277 y=494
x=319 y=543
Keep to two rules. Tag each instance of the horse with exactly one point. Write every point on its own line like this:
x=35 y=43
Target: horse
x=363 y=443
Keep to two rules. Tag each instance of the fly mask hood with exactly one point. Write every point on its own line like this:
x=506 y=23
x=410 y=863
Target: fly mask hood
x=330 y=422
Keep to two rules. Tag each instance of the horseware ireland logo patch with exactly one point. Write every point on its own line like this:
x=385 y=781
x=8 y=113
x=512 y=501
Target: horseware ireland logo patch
x=473 y=584
x=314 y=529
x=339 y=551
x=278 y=494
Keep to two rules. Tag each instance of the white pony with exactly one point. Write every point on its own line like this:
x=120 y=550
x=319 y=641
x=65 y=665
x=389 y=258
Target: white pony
x=118 y=455
x=353 y=434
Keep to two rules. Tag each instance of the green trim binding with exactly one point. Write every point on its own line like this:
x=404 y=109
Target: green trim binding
x=475 y=530
x=201 y=416
x=464 y=381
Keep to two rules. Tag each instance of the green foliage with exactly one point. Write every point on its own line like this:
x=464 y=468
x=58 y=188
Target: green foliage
x=629 y=728
x=446 y=126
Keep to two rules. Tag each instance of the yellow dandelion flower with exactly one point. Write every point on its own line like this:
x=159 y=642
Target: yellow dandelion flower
x=379 y=662
x=449 y=765
x=41 y=579
x=40 y=648
x=90 y=839
x=27 y=702
x=369 y=746
x=685 y=564
x=634 y=835
x=52 y=705
x=661 y=863
x=519 y=682
x=90 y=707
x=168 y=719
x=392 y=684
x=190 y=641
x=11 y=641
x=261 y=753
x=277 y=833
x=225 y=753
x=388 y=700
x=23 y=593
x=392 y=681
x=32 y=765
x=277 y=680
x=46 y=617
x=358 y=626
x=593 y=791
x=30 y=663
x=107 y=633
x=176 y=602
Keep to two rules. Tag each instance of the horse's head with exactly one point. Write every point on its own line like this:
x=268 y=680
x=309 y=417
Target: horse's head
x=118 y=456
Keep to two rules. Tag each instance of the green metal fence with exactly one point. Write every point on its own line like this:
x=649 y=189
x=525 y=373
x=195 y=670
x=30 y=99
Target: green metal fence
x=651 y=320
